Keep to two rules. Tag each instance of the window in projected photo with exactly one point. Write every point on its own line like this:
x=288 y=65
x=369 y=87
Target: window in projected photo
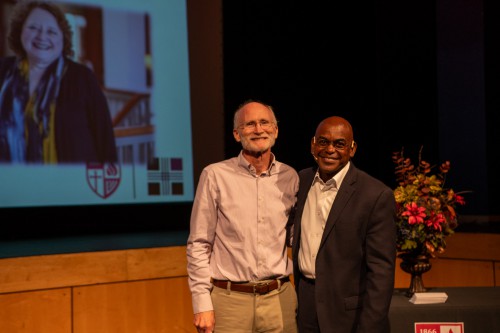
x=130 y=60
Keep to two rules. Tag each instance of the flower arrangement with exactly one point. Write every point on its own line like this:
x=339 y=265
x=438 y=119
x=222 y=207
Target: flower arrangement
x=425 y=208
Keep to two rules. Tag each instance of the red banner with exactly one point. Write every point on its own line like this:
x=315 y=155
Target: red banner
x=439 y=327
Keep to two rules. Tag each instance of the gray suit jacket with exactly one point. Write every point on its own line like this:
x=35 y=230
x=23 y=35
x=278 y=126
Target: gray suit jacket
x=356 y=258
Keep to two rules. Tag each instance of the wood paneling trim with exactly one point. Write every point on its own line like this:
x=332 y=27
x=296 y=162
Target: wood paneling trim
x=36 y=311
x=497 y=274
x=80 y=269
x=452 y=273
x=65 y=270
x=475 y=246
x=162 y=305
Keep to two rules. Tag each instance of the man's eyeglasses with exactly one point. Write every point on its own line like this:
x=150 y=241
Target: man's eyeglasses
x=251 y=125
x=337 y=144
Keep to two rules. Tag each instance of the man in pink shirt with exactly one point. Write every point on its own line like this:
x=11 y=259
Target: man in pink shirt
x=238 y=264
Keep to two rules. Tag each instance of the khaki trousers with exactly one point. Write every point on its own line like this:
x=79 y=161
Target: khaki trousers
x=237 y=312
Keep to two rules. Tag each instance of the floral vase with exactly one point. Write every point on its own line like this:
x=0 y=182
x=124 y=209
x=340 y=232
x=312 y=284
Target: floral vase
x=416 y=265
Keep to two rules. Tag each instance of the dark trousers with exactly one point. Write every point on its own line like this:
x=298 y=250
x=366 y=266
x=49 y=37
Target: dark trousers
x=307 y=318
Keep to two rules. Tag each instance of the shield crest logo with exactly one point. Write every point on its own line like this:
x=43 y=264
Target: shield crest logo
x=103 y=178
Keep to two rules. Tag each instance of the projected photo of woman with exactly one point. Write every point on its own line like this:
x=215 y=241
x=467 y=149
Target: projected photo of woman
x=52 y=109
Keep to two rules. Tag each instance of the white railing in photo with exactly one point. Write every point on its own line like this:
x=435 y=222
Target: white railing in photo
x=132 y=121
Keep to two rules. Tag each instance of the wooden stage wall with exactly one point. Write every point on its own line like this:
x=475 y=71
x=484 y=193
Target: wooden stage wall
x=145 y=290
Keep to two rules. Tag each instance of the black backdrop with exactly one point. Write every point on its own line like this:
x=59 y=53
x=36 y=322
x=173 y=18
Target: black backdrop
x=373 y=65
x=406 y=74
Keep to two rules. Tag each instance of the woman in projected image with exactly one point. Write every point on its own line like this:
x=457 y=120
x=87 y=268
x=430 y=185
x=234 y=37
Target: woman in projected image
x=52 y=109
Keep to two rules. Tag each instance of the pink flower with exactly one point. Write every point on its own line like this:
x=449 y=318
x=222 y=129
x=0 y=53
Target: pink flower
x=415 y=213
x=436 y=220
x=459 y=199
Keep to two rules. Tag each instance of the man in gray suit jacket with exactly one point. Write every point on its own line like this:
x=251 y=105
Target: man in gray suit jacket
x=344 y=239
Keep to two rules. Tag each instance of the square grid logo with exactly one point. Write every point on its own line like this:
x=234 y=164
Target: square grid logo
x=165 y=176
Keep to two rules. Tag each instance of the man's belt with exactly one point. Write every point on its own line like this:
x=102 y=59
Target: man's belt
x=259 y=288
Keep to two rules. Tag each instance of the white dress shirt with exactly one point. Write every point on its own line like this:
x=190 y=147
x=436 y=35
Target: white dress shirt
x=316 y=210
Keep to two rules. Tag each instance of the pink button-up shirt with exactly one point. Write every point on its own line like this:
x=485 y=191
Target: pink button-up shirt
x=238 y=224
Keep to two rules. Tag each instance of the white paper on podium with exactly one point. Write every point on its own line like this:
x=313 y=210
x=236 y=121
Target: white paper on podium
x=428 y=298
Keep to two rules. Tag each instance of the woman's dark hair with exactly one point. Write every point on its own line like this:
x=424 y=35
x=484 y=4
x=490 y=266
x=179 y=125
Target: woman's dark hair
x=22 y=11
